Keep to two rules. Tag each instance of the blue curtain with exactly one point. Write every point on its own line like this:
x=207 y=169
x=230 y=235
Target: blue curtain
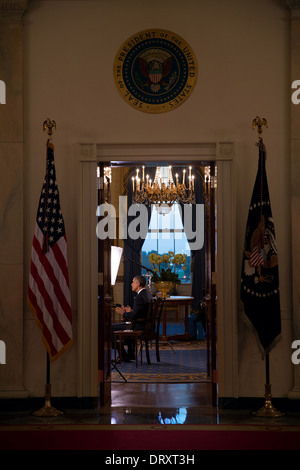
x=132 y=248
x=198 y=256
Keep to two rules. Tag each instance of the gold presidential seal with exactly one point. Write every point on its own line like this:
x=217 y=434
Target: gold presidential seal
x=155 y=71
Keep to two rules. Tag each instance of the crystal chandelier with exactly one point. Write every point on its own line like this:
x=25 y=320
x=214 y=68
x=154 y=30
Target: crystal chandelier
x=163 y=192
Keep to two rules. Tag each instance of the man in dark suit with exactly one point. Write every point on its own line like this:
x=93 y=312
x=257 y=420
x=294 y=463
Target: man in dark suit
x=136 y=315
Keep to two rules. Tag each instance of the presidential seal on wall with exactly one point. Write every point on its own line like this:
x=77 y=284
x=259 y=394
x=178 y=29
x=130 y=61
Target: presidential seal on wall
x=155 y=71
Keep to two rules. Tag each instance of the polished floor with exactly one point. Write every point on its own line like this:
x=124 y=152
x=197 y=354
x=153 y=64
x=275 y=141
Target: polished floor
x=157 y=404
x=154 y=404
x=181 y=414
x=179 y=404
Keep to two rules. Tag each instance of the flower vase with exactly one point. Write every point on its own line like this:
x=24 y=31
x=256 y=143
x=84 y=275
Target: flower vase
x=163 y=287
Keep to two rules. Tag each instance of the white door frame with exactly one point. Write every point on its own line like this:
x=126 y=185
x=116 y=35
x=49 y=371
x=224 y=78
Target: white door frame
x=223 y=154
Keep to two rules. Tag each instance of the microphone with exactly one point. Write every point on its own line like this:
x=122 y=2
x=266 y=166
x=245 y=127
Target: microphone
x=138 y=264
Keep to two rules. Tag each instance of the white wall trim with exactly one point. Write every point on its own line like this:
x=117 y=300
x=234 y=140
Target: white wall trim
x=223 y=154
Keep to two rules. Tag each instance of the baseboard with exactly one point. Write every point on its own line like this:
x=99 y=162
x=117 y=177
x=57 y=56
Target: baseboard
x=76 y=403
x=35 y=403
x=255 y=403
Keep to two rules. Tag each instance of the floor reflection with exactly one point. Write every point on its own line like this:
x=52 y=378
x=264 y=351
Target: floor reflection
x=152 y=404
x=179 y=417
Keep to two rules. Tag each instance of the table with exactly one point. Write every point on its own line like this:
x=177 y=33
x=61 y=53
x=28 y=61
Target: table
x=175 y=301
x=135 y=334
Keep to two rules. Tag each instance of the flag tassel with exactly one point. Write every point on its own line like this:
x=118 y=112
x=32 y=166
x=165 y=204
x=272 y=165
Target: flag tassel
x=268 y=410
x=48 y=410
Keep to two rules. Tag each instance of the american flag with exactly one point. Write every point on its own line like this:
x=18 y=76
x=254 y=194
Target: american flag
x=48 y=289
x=256 y=258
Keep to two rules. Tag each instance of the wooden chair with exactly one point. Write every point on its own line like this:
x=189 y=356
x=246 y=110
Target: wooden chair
x=152 y=328
x=119 y=337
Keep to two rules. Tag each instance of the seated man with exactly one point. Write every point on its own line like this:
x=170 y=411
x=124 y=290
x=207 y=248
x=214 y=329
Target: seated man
x=137 y=315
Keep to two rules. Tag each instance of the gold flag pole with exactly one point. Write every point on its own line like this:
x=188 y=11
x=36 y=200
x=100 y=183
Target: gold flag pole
x=267 y=410
x=48 y=410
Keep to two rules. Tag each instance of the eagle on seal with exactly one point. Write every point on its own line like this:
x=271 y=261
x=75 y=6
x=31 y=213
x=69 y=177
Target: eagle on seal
x=155 y=71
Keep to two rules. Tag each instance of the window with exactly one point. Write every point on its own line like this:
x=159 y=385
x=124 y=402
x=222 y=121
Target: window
x=166 y=233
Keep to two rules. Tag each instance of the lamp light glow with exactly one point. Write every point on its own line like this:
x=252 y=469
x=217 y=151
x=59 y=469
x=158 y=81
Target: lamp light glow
x=115 y=259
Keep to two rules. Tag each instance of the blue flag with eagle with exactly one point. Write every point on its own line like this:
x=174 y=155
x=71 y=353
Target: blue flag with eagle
x=260 y=276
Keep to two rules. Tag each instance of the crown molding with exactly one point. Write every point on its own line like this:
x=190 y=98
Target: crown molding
x=13 y=11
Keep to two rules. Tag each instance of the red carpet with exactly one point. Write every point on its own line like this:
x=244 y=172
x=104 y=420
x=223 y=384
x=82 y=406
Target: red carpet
x=148 y=437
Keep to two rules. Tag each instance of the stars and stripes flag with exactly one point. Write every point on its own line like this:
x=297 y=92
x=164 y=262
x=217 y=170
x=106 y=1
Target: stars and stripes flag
x=48 y=289
x=260 y=276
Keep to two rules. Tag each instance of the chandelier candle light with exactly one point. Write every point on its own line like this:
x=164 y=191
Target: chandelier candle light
x=163 y=192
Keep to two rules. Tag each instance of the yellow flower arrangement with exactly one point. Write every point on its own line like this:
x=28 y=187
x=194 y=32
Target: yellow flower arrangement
x=165 y=266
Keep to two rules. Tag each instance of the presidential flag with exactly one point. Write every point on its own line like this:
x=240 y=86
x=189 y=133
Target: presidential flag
x=260 y=277
x=48 y=289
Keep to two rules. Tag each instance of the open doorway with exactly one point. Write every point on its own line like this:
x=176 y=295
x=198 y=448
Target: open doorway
x=224 y=278
x=188 y=326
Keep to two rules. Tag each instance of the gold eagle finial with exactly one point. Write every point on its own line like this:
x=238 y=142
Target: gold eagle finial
x=258 y=122
x=50 y=125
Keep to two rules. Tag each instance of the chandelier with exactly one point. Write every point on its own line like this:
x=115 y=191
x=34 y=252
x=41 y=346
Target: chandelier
x=163 y=192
